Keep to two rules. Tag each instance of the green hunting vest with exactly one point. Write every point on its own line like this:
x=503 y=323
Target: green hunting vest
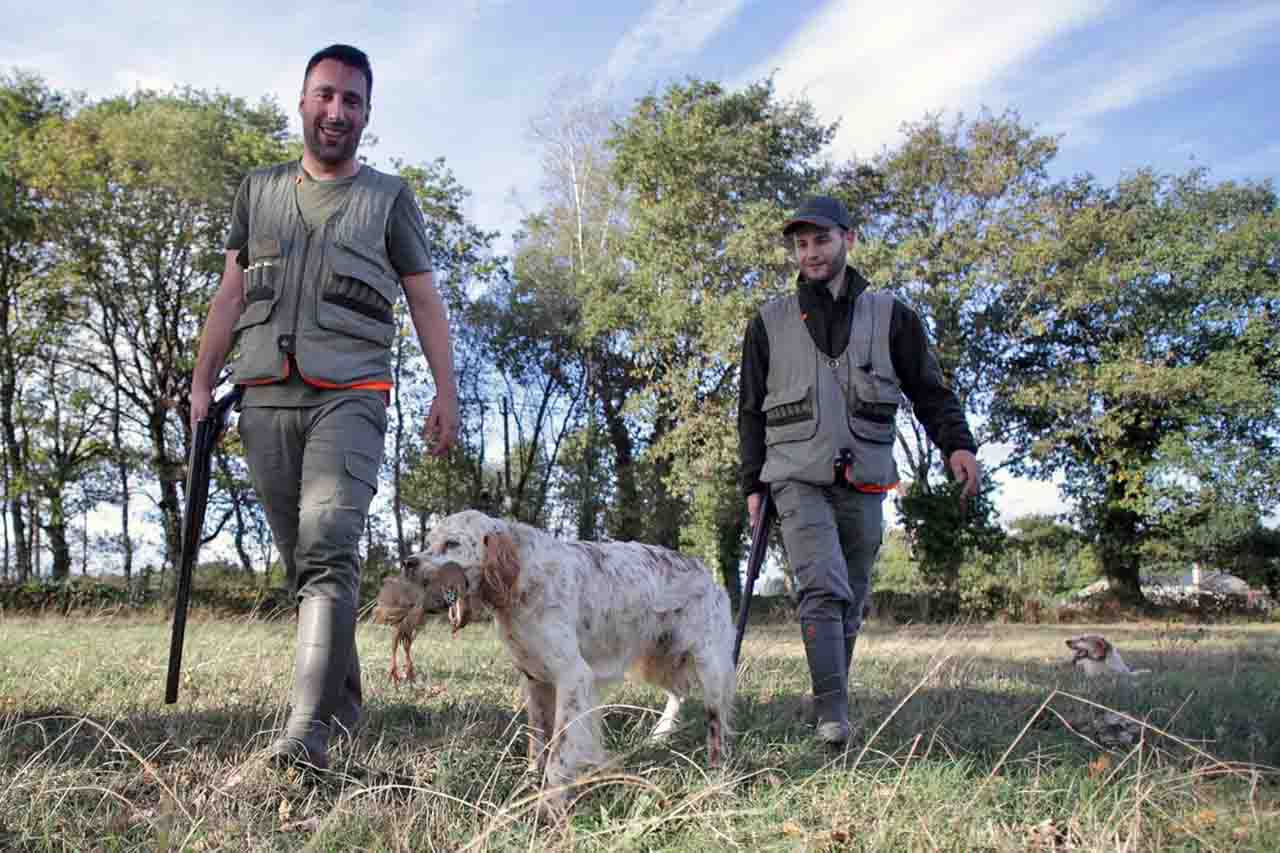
x=816 y=405
x=324 y=296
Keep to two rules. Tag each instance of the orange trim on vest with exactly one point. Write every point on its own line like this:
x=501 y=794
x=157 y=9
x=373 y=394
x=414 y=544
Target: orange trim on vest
x=870 y=489
x=372 y=385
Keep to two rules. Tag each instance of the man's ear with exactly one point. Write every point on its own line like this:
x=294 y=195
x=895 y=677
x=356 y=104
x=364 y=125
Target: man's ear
x=500 y=571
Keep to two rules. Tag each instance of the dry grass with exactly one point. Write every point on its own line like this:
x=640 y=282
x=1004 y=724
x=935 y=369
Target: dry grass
x=966 y=738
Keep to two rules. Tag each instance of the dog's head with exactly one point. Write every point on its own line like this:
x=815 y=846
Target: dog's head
x=469 y=563
x=1088 y=647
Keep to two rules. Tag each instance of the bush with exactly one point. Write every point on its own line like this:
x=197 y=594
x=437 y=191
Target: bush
x=44 y=596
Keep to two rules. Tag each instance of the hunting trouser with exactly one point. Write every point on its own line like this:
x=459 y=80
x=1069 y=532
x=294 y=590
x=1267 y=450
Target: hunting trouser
x=316 y=471
x=832 y=536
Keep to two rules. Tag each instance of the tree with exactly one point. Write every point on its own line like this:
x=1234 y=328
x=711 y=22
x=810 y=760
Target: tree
x=462 y=263
x=939 y=217
x=140 y=191
x=709 y=175
x=1141 y=354
x=25 y=104
x=569 y=266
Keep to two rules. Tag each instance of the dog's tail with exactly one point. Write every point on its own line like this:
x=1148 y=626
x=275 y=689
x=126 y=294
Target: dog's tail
x=401 y=604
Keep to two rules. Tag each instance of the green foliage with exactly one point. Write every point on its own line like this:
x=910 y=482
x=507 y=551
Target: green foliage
x=896 y=570
x=709 y=175
x=61 y=596
x=1142 y=360
x=946 y=532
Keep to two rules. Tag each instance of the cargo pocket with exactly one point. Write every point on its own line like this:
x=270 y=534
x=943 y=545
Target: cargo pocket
x=790 y=414
x=364 y=468
x=262 y=279
x=874 y=469
x=358 y=296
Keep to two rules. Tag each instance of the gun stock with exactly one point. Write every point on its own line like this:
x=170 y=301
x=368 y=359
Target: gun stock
x=759 y=546
x=208 y=431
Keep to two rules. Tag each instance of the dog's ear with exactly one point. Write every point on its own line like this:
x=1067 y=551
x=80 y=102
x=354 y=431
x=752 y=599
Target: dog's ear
x=501 y=570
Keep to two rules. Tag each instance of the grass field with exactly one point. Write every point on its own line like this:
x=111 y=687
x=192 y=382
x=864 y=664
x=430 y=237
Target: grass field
x=966 y=738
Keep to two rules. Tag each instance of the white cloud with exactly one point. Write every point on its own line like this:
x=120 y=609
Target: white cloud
x=1170 y=57
x=673 y=30
x=874 y=65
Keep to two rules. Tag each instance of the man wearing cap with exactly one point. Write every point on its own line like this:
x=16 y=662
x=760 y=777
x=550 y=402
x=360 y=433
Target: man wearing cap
x=823 y=372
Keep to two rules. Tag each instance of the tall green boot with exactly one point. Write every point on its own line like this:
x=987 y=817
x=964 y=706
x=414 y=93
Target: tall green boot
x=824 y=648
x=322 y=663
x=348 y=715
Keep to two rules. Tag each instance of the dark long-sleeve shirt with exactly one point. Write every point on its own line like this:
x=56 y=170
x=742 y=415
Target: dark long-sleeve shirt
x=935 y=405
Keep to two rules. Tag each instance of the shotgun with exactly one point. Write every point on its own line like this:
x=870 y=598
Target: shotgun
x=208 y=431
x=759 y=545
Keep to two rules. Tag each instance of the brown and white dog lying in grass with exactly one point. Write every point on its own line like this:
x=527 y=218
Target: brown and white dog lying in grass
x=1096 y=656
x=577 y=615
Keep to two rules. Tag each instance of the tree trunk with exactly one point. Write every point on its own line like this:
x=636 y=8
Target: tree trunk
x=122 y=467
x=169 y=473
x=59 y=547
x=729 y=536
x=628 y=522
x=1118 y=550
x=15 y=459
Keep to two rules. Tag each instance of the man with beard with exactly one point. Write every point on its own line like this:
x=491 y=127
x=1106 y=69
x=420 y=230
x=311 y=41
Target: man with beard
x=823 y=372
x=318 y=254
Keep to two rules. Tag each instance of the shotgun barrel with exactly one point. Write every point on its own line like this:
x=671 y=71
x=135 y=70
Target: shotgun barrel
x=759 y=545
x=208 y=431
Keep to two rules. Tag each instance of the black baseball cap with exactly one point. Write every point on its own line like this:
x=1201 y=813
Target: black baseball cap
x=821 y=210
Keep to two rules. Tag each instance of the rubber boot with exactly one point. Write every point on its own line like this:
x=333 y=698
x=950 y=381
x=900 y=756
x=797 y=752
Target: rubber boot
x=824 y=648
x=322 y=664
x=348 y=716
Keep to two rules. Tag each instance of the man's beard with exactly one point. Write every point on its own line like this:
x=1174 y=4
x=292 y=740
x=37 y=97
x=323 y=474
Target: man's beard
x=836 y=268
x=341 y=152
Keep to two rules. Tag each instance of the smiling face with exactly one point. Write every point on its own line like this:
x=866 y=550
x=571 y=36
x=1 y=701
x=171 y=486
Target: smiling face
x=334 y=109
x=821 y=253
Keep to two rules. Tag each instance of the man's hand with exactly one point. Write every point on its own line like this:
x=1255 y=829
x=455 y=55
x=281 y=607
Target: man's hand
x=201 y=399
x=442 y=423
x=967 y=470
x=753 y=507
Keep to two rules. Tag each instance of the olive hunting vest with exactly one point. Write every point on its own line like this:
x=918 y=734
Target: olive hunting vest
x=323 y=295
x=815 y=405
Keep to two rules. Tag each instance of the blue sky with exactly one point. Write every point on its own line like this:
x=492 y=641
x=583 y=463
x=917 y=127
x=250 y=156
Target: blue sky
x=1128 y=84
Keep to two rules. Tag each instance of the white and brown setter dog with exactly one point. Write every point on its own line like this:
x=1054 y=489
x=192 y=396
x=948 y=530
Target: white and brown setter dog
x=577 y=615
x=1096 y=656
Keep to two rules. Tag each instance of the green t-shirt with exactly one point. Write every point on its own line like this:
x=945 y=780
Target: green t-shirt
x=407 y=247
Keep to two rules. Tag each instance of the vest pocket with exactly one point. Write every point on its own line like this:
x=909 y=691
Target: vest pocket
x=873 y=463
x=357 y=298
x=790 y=414
x=261 y=281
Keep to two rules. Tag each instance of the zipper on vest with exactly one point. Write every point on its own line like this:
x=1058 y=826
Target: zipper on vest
x=289 y=343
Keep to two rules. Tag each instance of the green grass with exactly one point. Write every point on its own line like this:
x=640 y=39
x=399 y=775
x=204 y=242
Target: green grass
x=966 y=738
